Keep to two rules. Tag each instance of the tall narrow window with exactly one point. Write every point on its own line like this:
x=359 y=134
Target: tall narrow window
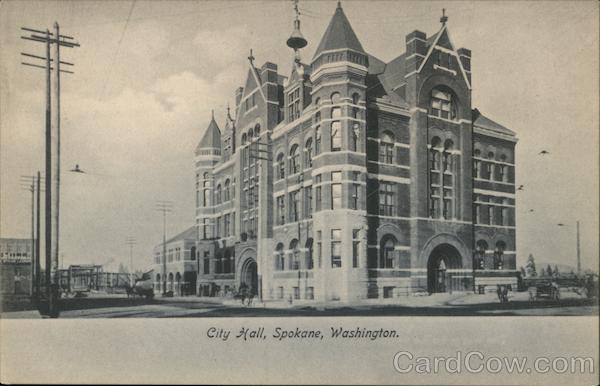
x=387 y=254
x=386 y=198
x=336 y=136
x=295 y=255
x=294 y=158
x=499 y=255
x=318 y=140
x=355 y=190
x=294 y=104
x=319 y=248
x=218 y=195
x=280 y=166
x=308 y=202
x=227 y=225
x=308 y=154
x=355 y=135
x=386 y=148
x=355 y=247
x=336 y=248
x=279 y=258
x=309 y=263
x=318 y=196
x=280 y=210
x=336 y=190
x=226 y=192
x=504 y=213
x=490 y=210
x=294 y=206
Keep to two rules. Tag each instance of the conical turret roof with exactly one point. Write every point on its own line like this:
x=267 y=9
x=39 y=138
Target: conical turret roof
x=339 y=34
x=212 y=136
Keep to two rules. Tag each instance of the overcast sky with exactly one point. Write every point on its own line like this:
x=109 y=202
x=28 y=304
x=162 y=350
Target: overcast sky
x=149 y=72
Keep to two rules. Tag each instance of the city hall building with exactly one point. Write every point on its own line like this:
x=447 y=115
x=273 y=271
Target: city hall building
x=351 y=178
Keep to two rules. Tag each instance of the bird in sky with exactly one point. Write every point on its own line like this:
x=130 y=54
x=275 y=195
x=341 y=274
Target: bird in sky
x=531 y=210
x=77 y=170
x=520 y=187
x=543 y=152
x=560 y=224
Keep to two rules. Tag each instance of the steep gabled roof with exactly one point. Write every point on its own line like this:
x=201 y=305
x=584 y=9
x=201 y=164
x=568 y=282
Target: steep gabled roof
x=484 y=122
x=339 y=35
x=211 y=137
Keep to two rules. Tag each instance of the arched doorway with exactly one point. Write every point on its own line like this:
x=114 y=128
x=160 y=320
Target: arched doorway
x=444 y=257
x=249 y=275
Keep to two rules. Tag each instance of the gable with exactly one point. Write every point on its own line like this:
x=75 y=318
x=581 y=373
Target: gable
x=443 y=43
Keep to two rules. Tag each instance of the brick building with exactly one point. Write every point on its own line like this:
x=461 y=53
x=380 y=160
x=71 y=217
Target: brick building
x=353 y=178
x=15 y=266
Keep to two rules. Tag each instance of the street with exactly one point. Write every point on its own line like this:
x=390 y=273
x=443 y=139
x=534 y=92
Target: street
x=458 y=304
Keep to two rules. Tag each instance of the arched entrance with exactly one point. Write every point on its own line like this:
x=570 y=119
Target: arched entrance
x=249 y=275
x=444 y=257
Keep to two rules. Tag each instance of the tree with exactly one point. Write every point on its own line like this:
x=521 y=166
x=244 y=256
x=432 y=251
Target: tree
x=122 y=268
x=530 y=266
x=556 y=273
x=549 y=270
x=523 y=273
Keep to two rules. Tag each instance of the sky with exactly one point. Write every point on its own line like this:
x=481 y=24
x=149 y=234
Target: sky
x=148 y=73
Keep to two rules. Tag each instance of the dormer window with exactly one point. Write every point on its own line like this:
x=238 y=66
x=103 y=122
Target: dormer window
x=443 y=104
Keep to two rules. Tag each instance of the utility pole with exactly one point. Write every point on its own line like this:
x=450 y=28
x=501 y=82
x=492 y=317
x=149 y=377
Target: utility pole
x=37 y=272
x=29 y=184
x=52 y=141
x=131 y=242
x=164 y=207
x=578 y=251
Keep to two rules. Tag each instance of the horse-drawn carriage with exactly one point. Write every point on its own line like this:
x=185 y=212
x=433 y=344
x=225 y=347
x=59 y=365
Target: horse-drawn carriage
x=548 y=289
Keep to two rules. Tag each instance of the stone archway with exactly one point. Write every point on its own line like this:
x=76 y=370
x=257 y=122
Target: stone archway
x=249 y=275
x=442 y=258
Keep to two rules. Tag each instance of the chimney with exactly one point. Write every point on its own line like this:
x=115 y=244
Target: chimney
x=465 y=59
x=416 y=49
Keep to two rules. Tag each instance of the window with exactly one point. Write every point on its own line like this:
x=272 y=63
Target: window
x=355 y=134
x=504 y=213
x=218 y=195
x=280 y=210
x=387 y=253
x=227 y=225
x=226 y=192
x=310 y=293
x=386 y=198
x=386 y=148
x=336 y=190
x=319 y=248
x=206 y=192
x=443 y=59
x=294 y=104
x=336 y=248
x=309 y=263
x=355 y=247
x=295 y=258
x=318 y=116
x=490 y=210
x=335 y=97
x=296 y=292
x=317 y=140
x=503 y=173
x=280 y=293
x=280 y=166
x=279 y=258
x=447 y=207
x=442 y=104
x=294 y=156
x=218 y=227
x=308 y=202
x=206 y=263
x=318 y=197
x=294 y=203
x=354 y=196
x=308 y=154
x=205 y=228
x=336 y=136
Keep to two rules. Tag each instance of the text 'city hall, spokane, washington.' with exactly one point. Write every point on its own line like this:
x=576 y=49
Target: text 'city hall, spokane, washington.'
x=350 y=179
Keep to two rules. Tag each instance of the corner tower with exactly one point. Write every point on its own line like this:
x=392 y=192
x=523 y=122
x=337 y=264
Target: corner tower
x=207 y=155
x=338 y=76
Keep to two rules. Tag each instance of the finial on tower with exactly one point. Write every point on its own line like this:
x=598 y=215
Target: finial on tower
x=296 y=40
x=212 y=114
x=444 y=18
x=339 y=4
x=251 y=57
